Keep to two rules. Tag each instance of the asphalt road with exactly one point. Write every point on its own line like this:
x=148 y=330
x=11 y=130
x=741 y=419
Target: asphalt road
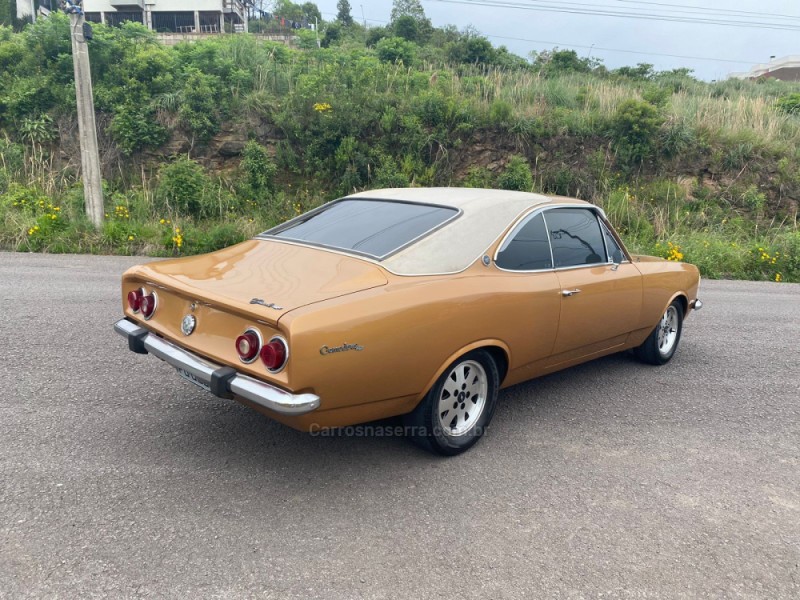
x=612 y=479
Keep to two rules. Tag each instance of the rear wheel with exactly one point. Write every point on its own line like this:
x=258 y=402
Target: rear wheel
x=661 y=344
x=457 y=410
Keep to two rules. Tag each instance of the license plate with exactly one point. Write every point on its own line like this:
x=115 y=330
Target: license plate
x=192 y=378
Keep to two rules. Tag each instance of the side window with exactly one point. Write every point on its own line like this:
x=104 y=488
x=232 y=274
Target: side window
x=576 y=237
x=527 y=248
x=615 y=253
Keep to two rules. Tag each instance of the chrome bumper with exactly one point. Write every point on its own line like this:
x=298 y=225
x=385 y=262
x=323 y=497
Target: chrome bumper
x=696 y=304
x=217 y=379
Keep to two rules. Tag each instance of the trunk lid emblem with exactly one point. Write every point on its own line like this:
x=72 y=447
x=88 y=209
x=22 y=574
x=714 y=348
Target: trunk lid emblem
x=188 y=324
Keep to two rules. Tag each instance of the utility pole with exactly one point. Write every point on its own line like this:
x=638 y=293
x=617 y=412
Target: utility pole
x=87 y=129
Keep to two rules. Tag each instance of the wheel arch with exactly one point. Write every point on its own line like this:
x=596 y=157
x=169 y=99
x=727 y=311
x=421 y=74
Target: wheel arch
x=681 y=297
x=497 y=349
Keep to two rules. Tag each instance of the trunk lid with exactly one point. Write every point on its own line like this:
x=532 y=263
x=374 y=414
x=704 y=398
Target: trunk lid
x=264 y=277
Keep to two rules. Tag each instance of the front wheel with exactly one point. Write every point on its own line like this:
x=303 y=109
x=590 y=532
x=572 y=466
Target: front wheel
x=457 y=410
x=661 y=344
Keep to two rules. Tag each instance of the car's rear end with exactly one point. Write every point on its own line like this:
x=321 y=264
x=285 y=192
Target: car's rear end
x=217 y=318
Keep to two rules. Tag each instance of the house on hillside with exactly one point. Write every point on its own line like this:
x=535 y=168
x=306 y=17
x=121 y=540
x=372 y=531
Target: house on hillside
x=171 y=16
x=784 y=69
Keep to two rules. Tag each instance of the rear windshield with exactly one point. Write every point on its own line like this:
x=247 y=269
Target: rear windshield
x=375 y=228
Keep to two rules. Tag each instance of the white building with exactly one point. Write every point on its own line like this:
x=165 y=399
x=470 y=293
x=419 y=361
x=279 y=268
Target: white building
x=785 y=69
x=171 y=16
x=25 y=9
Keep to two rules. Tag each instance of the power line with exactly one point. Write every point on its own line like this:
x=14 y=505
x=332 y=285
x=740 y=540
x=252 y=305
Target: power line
x=595 y=47
x=563 y=8
x=671 y=9
x=721 y=11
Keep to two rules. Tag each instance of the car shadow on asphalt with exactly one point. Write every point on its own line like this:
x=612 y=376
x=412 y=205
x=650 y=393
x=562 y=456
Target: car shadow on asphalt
x=248 y=439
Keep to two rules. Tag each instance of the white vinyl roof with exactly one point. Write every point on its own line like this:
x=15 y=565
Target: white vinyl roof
x=485 y=215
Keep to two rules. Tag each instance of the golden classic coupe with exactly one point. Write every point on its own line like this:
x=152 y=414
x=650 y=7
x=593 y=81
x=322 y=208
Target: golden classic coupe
x=414 y=302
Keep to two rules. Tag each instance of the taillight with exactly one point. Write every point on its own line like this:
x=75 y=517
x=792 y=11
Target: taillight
x=135 y=299
x=247 y=345
x=274 y=354
x=148 y=304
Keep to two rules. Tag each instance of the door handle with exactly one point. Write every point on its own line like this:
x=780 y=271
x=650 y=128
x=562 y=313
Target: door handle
x=570 y=292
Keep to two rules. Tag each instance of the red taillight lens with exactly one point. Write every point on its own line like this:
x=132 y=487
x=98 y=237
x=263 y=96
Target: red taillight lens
x=274 y=354
x=247 y=346
x=148 y=305
x=135 y=300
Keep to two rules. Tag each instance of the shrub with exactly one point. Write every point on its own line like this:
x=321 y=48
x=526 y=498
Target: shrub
x=478 y=177
x=258 y=167
x=790 y=104
x=134 y=127
x=12 y=156
x=431 y=108
x=675 y=137
x=500 y=112
x=200 y=109
x=753 y=199
x=633 y=130
x=516 y=176
x=396 y=50
x=183 y=188
x=388 y=175
x=656 y=95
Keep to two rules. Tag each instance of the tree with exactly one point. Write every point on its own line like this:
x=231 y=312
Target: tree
x=640 y=71
x=562 y=61
x=407 y=27
x=311 y=12
x=409 y=21
x=332 y=36
x=343 y=13
x=8 y=12
x=409 y=8
x=297 y=12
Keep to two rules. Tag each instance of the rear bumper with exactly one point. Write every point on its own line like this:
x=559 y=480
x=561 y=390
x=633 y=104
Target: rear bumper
x=219 y=380
x=696 y=304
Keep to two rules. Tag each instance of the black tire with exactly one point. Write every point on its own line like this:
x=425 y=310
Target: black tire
x=660 y=347
x=430 y=426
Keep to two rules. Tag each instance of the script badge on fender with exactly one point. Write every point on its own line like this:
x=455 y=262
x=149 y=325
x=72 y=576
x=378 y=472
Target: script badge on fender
x=188 y=324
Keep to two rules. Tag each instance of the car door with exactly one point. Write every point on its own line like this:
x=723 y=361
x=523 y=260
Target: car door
x=525 y=257
x=601 y=291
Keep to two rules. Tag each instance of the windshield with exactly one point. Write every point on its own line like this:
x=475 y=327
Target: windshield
x=376 y=228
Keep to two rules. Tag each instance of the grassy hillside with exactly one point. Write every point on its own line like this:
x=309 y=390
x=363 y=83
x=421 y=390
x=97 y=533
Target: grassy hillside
x=205 y=144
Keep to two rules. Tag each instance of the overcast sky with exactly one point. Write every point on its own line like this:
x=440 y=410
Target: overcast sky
x=603 y=36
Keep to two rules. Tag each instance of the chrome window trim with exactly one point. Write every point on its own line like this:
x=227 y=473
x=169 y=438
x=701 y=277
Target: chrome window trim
x=542 y=209
x=606 y=225
x=519 y=224
x=549 y=242
x=385 y=267
x=270 y=234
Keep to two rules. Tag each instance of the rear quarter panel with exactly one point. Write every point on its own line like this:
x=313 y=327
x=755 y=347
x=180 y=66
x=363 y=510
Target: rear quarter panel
x=410 y=330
